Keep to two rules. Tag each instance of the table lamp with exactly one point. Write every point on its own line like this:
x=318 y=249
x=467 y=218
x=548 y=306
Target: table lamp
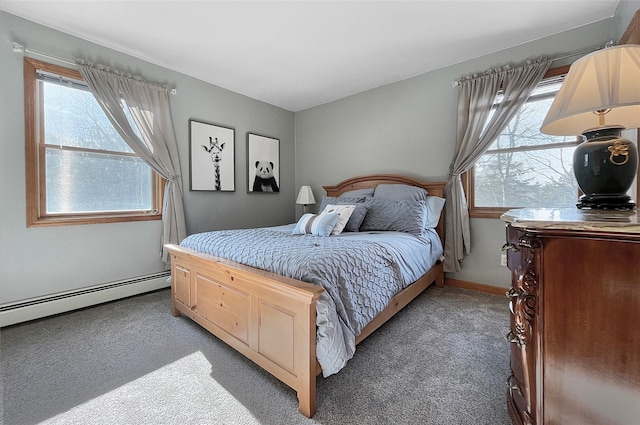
x=600 y=97
x=305 y=197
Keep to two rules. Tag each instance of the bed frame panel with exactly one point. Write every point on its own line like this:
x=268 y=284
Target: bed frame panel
x=271 y=318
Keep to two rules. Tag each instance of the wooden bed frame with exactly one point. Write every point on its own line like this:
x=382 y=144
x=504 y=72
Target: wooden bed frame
x=271 y=318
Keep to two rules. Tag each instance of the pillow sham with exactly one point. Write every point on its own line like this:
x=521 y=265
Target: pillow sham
x=357 y=192
x=434 y=209
x=358 y=214
x=316 y=225
x=393 y=215
x=341 y=200
x=344 y=212
x=400 y=192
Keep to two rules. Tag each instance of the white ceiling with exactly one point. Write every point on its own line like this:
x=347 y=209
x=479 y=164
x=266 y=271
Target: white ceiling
x=299 y=54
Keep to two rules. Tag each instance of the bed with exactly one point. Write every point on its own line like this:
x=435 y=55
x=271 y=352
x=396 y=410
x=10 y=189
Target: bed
x=274 y=319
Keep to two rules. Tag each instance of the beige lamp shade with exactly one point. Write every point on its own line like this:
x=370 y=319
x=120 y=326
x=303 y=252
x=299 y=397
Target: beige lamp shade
x=608 y=79
x=305 y=196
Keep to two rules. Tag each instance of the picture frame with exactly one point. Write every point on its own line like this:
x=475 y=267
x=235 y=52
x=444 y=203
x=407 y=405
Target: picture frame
x=211 y=157
x=263 y=164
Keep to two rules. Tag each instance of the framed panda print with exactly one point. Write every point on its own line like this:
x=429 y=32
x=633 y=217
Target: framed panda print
x=263 y=164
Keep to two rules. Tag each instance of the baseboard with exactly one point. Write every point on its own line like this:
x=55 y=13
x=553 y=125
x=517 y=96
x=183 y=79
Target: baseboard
x=23 y=311
x=36 y=308
x=480 y=287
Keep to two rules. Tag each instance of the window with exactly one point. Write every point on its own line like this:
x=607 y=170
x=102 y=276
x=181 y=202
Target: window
x=523 y=167
x=79 y=169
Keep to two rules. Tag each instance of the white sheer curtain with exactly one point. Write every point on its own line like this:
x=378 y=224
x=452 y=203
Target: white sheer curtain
x=475 y=133
x=148 y=104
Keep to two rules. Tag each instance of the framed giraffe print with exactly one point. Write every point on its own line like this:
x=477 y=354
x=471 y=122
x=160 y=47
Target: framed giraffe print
x=263 y=164
x=211 y=157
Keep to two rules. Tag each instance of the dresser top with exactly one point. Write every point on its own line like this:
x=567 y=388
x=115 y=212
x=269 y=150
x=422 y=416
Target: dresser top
x=574 y=219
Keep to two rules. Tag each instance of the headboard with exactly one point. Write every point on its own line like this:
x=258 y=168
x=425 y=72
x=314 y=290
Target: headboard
x=373 y=180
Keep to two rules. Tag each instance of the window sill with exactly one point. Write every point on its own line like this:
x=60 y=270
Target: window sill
x=69 y=220
x=487 y=212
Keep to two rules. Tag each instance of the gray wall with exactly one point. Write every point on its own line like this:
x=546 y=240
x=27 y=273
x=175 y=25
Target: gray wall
x=41 y=261
x=624 y=13
x=409 y=128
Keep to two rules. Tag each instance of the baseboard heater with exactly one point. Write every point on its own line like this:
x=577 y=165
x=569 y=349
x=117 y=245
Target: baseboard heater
x=62 y=302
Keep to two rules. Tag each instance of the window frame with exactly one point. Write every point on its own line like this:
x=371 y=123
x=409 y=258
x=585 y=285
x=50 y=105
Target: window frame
x=35 y=163
x=468 y=178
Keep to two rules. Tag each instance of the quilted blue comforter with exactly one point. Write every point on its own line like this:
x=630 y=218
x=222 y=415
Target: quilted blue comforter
x=359 y=272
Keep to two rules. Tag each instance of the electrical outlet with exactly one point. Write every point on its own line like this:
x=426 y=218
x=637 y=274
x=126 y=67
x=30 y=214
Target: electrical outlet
x=503 y=259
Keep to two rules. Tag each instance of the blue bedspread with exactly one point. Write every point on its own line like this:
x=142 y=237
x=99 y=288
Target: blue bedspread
x=360 y=274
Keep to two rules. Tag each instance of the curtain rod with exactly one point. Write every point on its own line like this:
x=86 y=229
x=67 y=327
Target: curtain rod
x=19 y=48
x=584 y=52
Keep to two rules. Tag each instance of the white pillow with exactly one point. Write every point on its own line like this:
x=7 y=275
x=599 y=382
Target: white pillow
x=344 y=211
x=317 y=225
x=434 y=208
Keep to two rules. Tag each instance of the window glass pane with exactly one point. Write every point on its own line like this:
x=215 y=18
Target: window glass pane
x=95 y=182
x=524 y=128
x=72 y=117
x=524 y=167
x=536 y=178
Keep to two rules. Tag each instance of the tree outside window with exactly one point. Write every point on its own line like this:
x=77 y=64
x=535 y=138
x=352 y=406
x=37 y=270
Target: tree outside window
x=523 y=167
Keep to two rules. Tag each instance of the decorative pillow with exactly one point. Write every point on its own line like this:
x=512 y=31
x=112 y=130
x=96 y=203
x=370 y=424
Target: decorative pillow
x=358 y=214
x=434 y=208
x=400 y=192
x=344 y=211
x=400 y=216
x=342 y=200
x=357 y=217
x=317 y=225
x=357 y=192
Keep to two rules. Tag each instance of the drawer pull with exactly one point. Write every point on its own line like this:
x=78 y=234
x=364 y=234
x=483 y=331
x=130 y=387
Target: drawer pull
x=507 y=246
x=512 y=338
x=512 y=386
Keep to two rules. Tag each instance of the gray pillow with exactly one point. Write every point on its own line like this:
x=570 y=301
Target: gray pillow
x=357 y=217
x=358 y=214
x=399 y=216
x=357 y=192
x=342 y=200
x=400 y=192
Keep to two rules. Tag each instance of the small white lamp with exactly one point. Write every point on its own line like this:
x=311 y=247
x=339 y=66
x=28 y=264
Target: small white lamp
x=305 y=197
x=599 y=98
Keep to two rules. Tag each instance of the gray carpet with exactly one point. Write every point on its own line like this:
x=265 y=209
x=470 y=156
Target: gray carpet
x=442 y=360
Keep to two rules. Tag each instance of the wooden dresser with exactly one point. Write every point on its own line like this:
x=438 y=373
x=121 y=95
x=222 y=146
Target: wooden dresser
x=575 y=316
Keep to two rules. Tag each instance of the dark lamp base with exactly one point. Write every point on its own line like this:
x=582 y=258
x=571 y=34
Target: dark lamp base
x=606 y=202
x=605 y=166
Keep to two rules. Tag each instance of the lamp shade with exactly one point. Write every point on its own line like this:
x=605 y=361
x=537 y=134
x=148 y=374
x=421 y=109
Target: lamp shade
x=609 y=80
x=305 y=196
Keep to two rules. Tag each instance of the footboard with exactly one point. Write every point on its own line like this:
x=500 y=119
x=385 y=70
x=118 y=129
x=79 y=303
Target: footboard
x=267 y=317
